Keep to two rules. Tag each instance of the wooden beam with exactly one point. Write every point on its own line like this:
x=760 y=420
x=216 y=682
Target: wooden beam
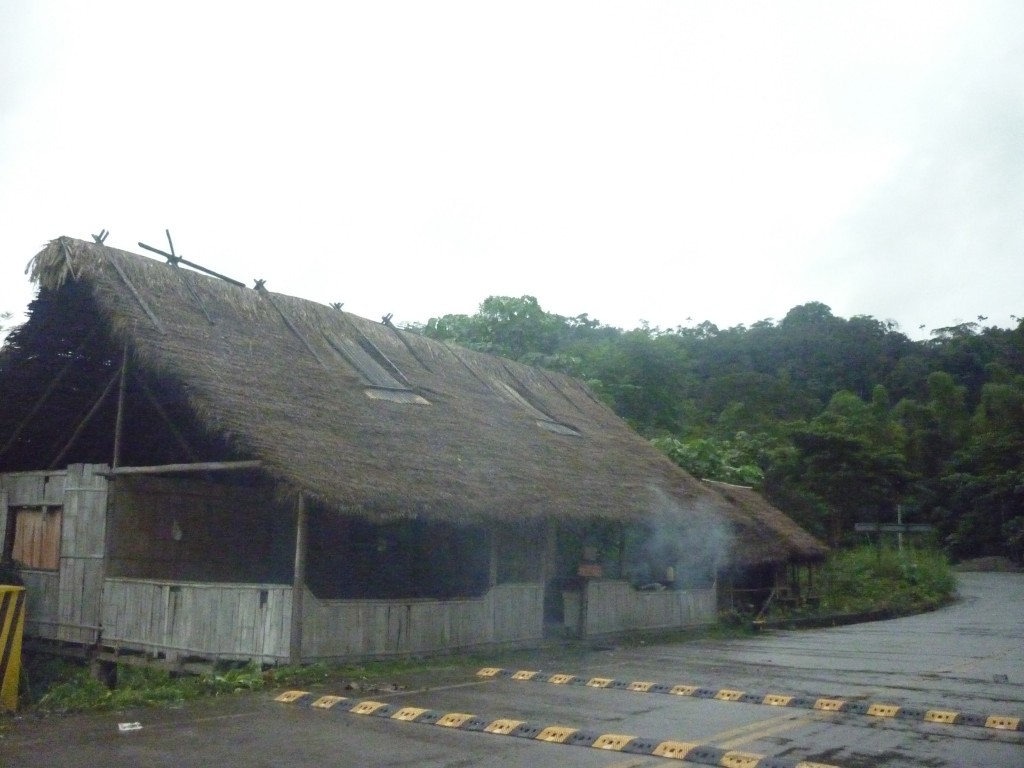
x=202 y=466
x=138 y=297
x=85 y=420
x=298 y=581
x=54 y=382
x=291 y=327
x=171 y=426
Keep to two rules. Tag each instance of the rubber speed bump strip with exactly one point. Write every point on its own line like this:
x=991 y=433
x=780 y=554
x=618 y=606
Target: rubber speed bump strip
x=942 y=716
x=690 y=751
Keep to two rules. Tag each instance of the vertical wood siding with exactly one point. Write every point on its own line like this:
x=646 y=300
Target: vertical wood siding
x=615 y=606
x=82 y=549
x=335 y=629
x=37 y=537
x=219 y=621
x=43 y=617
x=27 y=489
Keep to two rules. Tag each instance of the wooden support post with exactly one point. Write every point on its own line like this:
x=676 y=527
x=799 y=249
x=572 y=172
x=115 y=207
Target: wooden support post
x=550 y=559
x=298 y=580
x=119 y=420
x=492 y=570
x=622 y=551
x=584 y=608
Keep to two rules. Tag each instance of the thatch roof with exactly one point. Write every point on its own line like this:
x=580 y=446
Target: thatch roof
x=771 y=536
x=366 y=418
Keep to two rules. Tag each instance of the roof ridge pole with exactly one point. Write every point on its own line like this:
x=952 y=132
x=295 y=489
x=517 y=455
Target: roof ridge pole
x=298 y=581
x=174 y=260
x=119 y=419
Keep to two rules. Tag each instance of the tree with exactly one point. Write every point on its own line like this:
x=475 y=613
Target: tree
x=987 y=483
x=711 y=459
x=812 y=395
x=851 y=458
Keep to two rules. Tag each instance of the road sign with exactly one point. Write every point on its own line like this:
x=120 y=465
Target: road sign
x=892 y=528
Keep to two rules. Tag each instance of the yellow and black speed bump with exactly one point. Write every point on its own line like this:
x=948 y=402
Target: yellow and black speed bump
x=915 y=714
x=689 y=751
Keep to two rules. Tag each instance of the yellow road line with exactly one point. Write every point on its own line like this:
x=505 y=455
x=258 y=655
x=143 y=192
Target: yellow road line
x=742 y=730
x=636 y=763
x=765 y=732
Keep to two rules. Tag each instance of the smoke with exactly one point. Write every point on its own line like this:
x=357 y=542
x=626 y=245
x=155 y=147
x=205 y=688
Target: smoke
x=694 y=541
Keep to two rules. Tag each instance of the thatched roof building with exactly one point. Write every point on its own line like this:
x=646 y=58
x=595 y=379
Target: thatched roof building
x=365 y=417
x=193 y=467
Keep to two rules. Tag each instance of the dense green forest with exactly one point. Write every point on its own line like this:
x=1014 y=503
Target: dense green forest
x=835 y=420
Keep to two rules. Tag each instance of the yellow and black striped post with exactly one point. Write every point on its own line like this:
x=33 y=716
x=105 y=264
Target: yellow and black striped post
x=12 y=623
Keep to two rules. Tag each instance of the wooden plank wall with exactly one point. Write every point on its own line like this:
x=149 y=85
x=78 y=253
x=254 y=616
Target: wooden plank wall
x=83 y=538
x=187 y=529
x=41 y=617
x=37 y=541
x=213 y=621
x=335 y=629
x=615 y=606
x=31 y=489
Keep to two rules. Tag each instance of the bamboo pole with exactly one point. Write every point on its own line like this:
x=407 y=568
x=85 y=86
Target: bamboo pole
x=85 y=421
x=200 y=466
x=298 y=581
x=119 y=420
x=168 y=421
x=54 y=382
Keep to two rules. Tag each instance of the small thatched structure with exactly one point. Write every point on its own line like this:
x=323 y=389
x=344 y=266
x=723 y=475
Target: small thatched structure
x=766 y=564
x=193 y=467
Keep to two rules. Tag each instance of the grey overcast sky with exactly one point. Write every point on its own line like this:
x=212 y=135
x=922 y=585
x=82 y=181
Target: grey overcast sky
x=667 y=162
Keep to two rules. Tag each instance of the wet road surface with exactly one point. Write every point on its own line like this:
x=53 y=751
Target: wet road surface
x=963 y=662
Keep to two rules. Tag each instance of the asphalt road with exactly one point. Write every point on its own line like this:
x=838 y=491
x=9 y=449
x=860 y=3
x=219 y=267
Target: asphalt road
x=966 y=659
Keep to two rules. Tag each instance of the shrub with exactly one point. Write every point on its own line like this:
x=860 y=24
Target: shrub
x=880 y=578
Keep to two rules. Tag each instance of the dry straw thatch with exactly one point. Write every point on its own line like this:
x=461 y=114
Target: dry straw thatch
x=773 y=536
x=376 y=421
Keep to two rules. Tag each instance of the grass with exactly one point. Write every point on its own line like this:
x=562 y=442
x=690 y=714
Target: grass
x=52 y=685
x=884 y=579
x=59 y=685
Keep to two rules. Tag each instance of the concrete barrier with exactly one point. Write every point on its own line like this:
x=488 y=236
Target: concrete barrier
x=12 y=624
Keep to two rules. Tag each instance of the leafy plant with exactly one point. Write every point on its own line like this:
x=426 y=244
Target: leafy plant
x=872 y=578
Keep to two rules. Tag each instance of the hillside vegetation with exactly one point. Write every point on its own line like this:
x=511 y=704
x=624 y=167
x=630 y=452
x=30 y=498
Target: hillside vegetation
x=835 y=420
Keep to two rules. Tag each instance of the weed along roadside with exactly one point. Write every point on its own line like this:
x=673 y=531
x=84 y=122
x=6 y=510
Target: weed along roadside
x=859 y=585
x=871 y=584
